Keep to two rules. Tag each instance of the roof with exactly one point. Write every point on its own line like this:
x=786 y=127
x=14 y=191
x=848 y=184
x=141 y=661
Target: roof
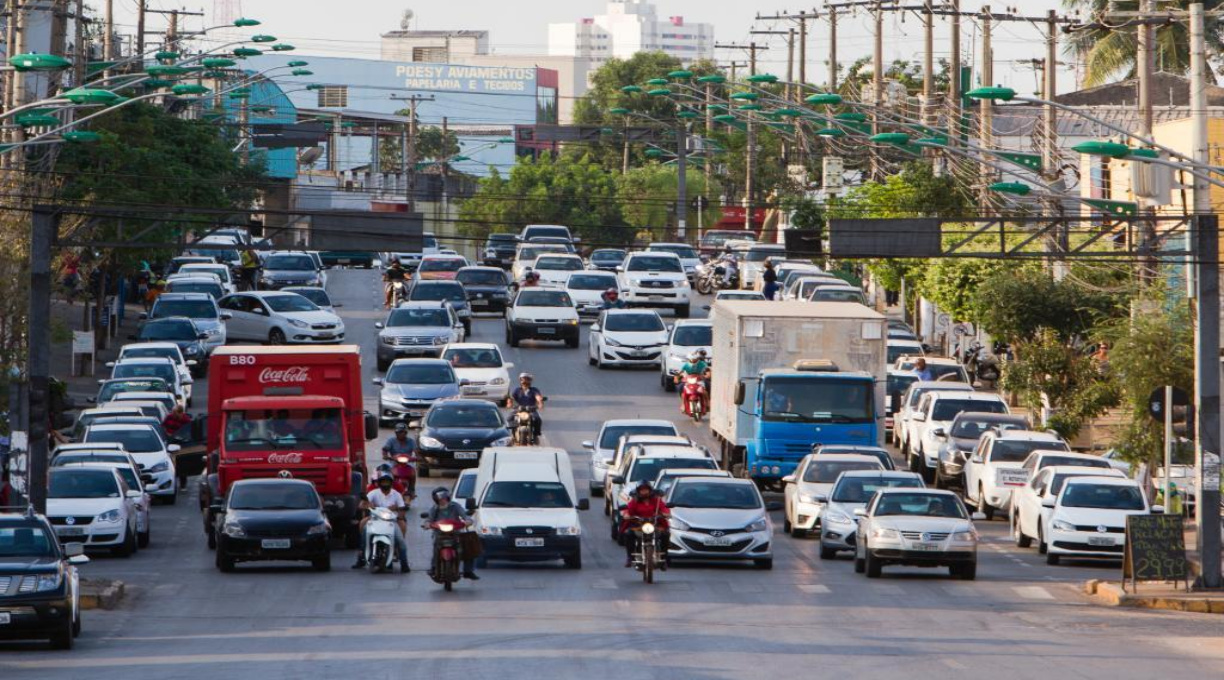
x=1026 y=435
x=421 y=360
x=148 y=345
x=693 y=322
x=1072 y=454
x=89 y=446
x=936 y=385
x=103 y=427
x=846 y=458
x=296 y=349
x=672 y=451
x=1083 y=469
x=473 y=345
x=798 y=309
x=1167 y=89
x=1108 y=480
x=184 y=296
x=526 y=472
x=645 y=422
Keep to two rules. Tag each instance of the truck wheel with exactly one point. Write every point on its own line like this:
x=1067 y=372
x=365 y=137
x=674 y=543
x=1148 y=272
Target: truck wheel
x=574 y=561
x=276 y=337
x=383 y=365
x=682 y=312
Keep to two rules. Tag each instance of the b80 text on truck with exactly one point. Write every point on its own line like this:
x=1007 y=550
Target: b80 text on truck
x=288 y=412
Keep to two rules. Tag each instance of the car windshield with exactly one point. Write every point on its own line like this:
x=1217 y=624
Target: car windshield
x=591 y=282
x=473 y=357
x=1102 y=496
x=654 y=263
x=762 y=254
x=481 y=277
x=861 y=489
x=1057 y=483
x=940 y=370
x=315 y=295
x=920 y=504
x=213 y=290
x=972 y=428
x=837 y=295
x=818 y=400
x=111 y=388
x=25 y=540
x=192 y=309
x=613 y=433
x=222 y=255
x=896 y=351
x=648 y=468
x=408 y=318
x=448 y=415
x=526 y=495
x=634 y=323
x=502 y=239
x=947 y=409
x=165 y=371
x=309 y=429
x=529 y=253
x=430 y=373
x=273 y=497
x=221 y=271
x=290 y=303
x=424 y=292
x=1014 y=451
x=82 y=484
x=150 y=353
x=1051 y=461
x=442 y=264
x=464 y=487
x=70 y=458
x=693 y=336
x=716 y=239
x=608 y=256
x=685 y=252
x=543 y=298
x=691 y=493
x=827 y=472
x=289 y=263
x=169 y=330
x=134 y=440
x=563 y=264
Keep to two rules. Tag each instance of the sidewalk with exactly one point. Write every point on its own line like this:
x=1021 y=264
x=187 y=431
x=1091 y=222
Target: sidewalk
x=1164 y=596
x=66 y=318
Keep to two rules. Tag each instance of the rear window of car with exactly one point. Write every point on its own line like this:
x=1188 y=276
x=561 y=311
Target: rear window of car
x=612 y=434
x=947 y=409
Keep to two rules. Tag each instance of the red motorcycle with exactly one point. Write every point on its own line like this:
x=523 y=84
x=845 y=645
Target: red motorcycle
x=693 y=397
x=448 y=550
x=404 y=471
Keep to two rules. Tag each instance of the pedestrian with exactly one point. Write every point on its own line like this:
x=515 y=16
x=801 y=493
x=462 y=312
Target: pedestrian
x=770 y=277
x=175 y=420
x=1101 y=355
x=154 y=292
x=923 y=371
x=250 y=266
x=144 y=278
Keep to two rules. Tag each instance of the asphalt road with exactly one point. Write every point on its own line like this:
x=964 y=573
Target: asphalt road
x=1020 y=619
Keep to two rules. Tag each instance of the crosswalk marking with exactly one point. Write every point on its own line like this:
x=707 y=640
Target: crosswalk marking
x=814 y=589
x=1033 y=593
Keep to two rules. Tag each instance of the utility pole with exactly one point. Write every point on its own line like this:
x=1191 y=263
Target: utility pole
x=877 y=82
x=751 y=48
x=1207 y=326
x=986 y=118
x=790 y=58
x=142 y=8
x=1143 y=67
x=801 y=18
x=409 y=150
x=1049 y=146
x=750 y=166
x=832 y=49
x=954 y=82
x=928 y=62
x=43 y=228
x=81 y=54
x=681 y=180
x=709 y=154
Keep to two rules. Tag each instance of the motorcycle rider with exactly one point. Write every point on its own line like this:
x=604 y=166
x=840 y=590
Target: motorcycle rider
x=398 y=444
x=531 y=280
x=698 y=365
x=528 y=396
x=385 y=496
x=394 y=273
x=611 y=300
x=645 y=505
x=443 y=509
x=386 y=469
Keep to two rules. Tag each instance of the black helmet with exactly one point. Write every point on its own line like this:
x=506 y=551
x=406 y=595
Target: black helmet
x=441 y=493
x=383 y=469
x=644 y=485
x=386 y=476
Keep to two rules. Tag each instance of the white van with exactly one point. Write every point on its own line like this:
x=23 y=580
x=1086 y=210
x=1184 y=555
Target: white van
x=525 y=506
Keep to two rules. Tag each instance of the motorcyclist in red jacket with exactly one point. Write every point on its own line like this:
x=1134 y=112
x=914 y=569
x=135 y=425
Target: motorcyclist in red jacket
x=646 y=506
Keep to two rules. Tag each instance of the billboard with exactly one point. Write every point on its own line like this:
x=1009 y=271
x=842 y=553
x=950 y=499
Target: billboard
x=366 y=231
x=460 y=78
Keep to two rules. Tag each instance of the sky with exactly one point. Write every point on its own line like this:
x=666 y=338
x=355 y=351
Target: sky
x=352 y=28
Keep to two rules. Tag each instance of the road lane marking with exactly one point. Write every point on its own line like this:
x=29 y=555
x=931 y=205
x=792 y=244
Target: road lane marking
x=1033 y=593
x=814 y=589
x=604 y=584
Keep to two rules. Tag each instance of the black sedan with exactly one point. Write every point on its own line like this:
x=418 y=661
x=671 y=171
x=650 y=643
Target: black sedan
x=607 y=259
x=177 y=329
x=454 y=432
x=39 y=595
x=488 y=289
x=272 y=520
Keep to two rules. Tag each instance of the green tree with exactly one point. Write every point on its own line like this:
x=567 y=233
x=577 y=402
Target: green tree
x=648 y=198
x=431 y=145
x=1110 y=52
x=1051 y=373
x=1018 y=304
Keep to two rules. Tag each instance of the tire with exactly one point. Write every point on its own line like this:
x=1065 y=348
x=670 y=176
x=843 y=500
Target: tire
x=448 y=586
x=982 y=506
x=1042 y=548
x=1022 y=541
x=352 y=538
x=142 y=539
x=379 y=559
x=322 y=562
x=590 y=360
x=467 y=329
x=574 y=561
x=599 y=362
x=572 y=343
x=683 y=312
x=763 y=564
x=225 y=563
x=964 y=572
x=668 y=384
x=787 y=527
x=128 y=547
x=872 y=565
x=648 y=559
x=172 y=499
x=511 y=338
x=276 y=337
x=63 y=638
x=1053 y=559
x=827 y=553
x=76 y=623
x=859 y=564
x=703 y=286
x=212 y=540
x=383 y=365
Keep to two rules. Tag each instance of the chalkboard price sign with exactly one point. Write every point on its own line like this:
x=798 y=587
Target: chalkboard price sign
x=1155 y=549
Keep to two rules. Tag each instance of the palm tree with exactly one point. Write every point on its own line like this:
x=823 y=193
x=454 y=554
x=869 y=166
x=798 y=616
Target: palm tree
x=1110 y=52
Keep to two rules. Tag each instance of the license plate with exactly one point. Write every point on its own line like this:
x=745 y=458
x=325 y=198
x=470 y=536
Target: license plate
x=70 y=531
x=1011 y=477
x=275 y=543
x=466 y=455
x=1100 y=540
x=654 y=297
x=5 y=618
x=529 y=543
x=325 y=336
x=717 y=541
x=344 y=260
x=924 y=547
x=548 y=331
x=471 y=390
x=480 y=303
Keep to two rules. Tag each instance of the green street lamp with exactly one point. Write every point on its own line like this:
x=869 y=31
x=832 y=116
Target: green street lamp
x=283 y=47
x=189 y=89
x=831 y=132
x=661 y=92
x=851 y=116
x=717 y=107
x=631 y=89
x=166 y=71
x=749 y=107
x=939 y=140
x=218 y=62
x=214 y=74
x=156 y=83
x=246 y=52
x=762 y=78
x=654 y=153
x=460 y=159
x=657 y=81
x=688 y=115
x=297 y=64
x=992 y=94
x=746 y=96
x=301 y=72
x=1102 y=148
x=619 y=111
x=725 y=118
x=39 y=62
x=712 y=79
x=824 y=99
x=84 y=136
x=87 y=95
x=505 y=140
x=788 y=113
x=245 y=22
x=680 y=75
x=1014 y=188
x=261 y=38
x=315 y=86
x=166 y=55
x=36 y=119
x=894 y=138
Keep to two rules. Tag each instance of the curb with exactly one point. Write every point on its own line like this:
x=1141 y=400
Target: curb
x=100 y=594
x=1110 y=594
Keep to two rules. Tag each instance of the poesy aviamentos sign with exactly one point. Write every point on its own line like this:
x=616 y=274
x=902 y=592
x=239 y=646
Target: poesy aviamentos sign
x=457 y=78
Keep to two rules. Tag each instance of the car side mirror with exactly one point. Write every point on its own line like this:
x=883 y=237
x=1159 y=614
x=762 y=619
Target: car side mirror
x=226 y=316
x=789 y=479
x=1048 y=502
x=173 y=448
x=740 y=390
x=977 y=458
x=371 y=426
x=469 y=504
x=133 y=493
x=110 y=364
x=584 y=504
x=940 y=432
x=918 y=417
x=74 y=549
x=618 y=479
x=377 y=381
x=1158 y=510
x=143 y=316
x=202 y=336
x=860 y=512
x=464 y=382
x=379 y=325
x=705 y=308
x=192 y=362
x=588 y=445
x=821 y=498
x=620 y=268
x=978 y=517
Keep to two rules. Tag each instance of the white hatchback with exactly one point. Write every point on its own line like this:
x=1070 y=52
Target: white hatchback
x=92 y=507
x=279 y=318
x=627 y=337
x=150 y=452
x=1088 y=519
x=686 y=336
x=480 y=364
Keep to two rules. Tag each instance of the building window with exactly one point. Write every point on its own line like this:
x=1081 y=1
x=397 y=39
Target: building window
x=430 y=55
x=333 y=96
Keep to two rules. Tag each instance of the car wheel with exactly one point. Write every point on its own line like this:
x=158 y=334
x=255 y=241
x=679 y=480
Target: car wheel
x=322 y=562
x=63 y=638
x=172 y=499
x=827 y=553
x=574 y=561
x=964 y=572
x=142 y=540
x=212 y=539
x=128 y=547
x=786 y=524
x=1042 y=548
x=591 y=356
x=572 y=343
x=982 y=506
x=511 y=338
x=225 y=563
x=76 y=621
x=276 y=337
x=383 y=365
x=860 y=565
x=872 y=566
x=765 y=564
x=1022 y=541
x=1052 y=559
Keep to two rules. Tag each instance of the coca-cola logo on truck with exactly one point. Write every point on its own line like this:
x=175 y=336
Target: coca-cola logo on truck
x=293 y=374
x=285 y=458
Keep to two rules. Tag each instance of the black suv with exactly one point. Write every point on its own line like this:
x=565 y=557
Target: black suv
x=488 y=288
x=499 y=250
x=38 y=582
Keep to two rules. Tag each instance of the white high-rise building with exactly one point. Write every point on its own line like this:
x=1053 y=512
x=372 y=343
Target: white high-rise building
x=629 y=27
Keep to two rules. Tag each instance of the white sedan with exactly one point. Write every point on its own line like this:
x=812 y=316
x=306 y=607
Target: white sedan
x=814 y=478
x=1088 y=519
x=481 y=364
x=94 y=507
x=279 y=318
x=918 y=528
x=627 y=337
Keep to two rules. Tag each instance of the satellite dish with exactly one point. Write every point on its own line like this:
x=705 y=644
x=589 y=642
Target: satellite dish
x=309 y=156
x=406 y=19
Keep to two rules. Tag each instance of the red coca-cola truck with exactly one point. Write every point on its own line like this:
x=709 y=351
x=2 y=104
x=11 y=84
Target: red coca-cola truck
x=288 y=412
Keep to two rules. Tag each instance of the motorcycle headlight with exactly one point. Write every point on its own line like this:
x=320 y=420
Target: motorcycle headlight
x=160 y=467
x=504 y=441
x=49 y=581
x=568 y=531
x=318 y=530
x=491 y=531
x=233 y=530
x=679 y=524
x=446 y=528
x=759 y=525
x=497 y=381
x=1062 y=525
x=109 y=516
x=892 y=534
x=648 y=528
x=610 y=342
x=965 y=536
x=385 y=514
x=430 y=443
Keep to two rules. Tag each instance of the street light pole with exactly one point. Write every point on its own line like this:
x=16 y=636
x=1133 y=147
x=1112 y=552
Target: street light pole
x=681 y=179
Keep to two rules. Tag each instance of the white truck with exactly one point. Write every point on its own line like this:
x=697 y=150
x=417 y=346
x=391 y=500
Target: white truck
x=789 y=375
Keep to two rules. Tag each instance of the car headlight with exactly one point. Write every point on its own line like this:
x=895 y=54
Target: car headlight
x=1062 y=526
x=233 y=530
x=49 y=581
x=191 y=350
x=572 y=322
x=497 y=381
x=491 y=531
x=759 y=525
x=160 y=467
x=836 y=517
x=610 y=342
x=442 y=340
x=109 y=516
x=965 y=536
x=386 y=340
x=678 y=524
x=298 y=323
x=807 y=498
x=885 y=533
x=213 y=332
x=504 y=441
x=318 y=530
x=428 y=442
x=568 y=531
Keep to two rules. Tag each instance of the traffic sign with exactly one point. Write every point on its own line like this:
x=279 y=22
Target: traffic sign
x=1156 y=405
